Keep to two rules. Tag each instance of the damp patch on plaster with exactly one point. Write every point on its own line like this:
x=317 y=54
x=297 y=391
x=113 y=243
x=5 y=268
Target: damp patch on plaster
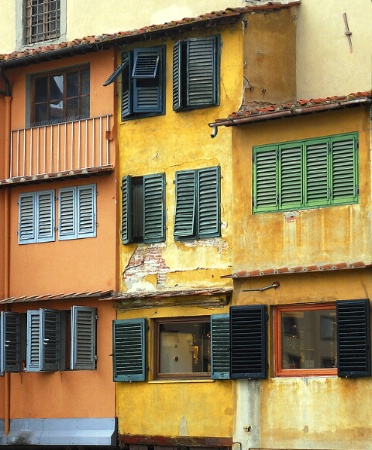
x=291 y=216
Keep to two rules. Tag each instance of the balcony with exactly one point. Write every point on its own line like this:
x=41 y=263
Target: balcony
x=58 y=150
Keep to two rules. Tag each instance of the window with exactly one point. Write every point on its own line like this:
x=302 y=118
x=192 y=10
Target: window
x=143 y=82
x=196 y=64
x=36 y=217
x=323 y=339
x=55 y=340
x=77 y=212
x=197 y=203
x=143 y=208
x=42 y=20
x=60 y=96
x=306 y=174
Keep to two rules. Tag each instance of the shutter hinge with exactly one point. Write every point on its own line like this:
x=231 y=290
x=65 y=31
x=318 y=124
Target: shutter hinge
x=254 y=158
x=96 y=316
x=356 y=190
x=254 y=202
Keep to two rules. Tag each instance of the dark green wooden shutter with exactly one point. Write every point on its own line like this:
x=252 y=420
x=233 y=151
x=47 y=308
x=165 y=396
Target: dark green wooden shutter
x=129 y=350
x=209 y=202
x=126 y=209
x=118 y=71
x=353 y=338
x=317 y=172
x=154 y=208
x=202 y=72
x=248 y=328
x=291 y=173
x=265 y=179
x=10 y=342
x=126 y=86
x=344 y=169
x=83 y=338
x=220 y=346
x=184 y=225
x=177 y=76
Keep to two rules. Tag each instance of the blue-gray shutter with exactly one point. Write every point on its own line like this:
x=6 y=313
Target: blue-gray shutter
x=118 y=71
x=126 y=209
x=126 y=86
x=45 y=216
x=50 y=340
x=184 y=224
x=353 y=338
x=177 y=76
x=129 y=350
x=265 y=179
x=10 y=342
x=33 y=361
x=26 y=218
x=209 y=202
x=202 y=71
x=248 y=334
x=67 y=214
x=220 y=346
x=86 y=211
x=154 y=208
x=83 y=338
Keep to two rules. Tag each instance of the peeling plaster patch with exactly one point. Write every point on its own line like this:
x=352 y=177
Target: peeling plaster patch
x=219 y=243
x=291 y=216
x=183 y=427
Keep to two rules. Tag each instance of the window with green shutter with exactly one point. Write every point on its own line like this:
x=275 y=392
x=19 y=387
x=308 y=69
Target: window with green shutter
x=220 y=346
x=196 y=73
x=143 y=208
x=197 y=203
x=306 y=174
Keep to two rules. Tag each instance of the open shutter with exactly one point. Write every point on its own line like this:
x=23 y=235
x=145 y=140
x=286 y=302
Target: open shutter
x=126 y=209
x=10 y=342
x=83 y=338
x=129 y=349
x=67 y=214
x=177 y=76
x=265 y=179
x=118 y=71
x=291 y=175
x=33 y=359
x=248 y=328
x=27 y=219
x=184 y=225
x=126 y=86
x=317 y=174
x=209 y=202
x=154 y=208
x=353 y=338
x=202 y=72
x=86 y=216
x=50 y=340
x=45 y=216
x=220 y=346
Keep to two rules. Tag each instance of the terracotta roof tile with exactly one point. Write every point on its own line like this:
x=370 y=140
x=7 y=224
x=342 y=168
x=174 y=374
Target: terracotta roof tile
x=45 y=297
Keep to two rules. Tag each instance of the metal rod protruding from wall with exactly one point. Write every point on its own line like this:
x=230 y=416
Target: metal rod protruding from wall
x=274 y=285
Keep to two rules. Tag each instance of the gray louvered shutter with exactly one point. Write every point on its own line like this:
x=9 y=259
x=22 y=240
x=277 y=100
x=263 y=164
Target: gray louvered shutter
x=126 y=209
x=67 y=214
x=265 y=179
x=126 y=86
x=317 y=173
x=50 y=340
x=10 y=342
x=291 y=175
x=154 y=208
x=248 y=334
x=344 y=169
x=45 y=216
x=177 y=76
x=129 y=350
x=209 y=202
x=27 y=218
x=202 y=72
x=86 y=211
x=184 y=225
x=83 y=338
x=33 y=360
x=353 y=338
x=220 y=346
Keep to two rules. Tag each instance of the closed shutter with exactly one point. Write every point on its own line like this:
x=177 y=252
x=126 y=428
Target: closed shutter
x=67 y=214
x=184 y=225
x=265 y=179
x=220 y=346
x=33 y=360
x=126 y=86
x=291 y=172
x=50 y=340
x=126 y=209
x=209 y=202
x=177 y=76
x=129 y=349
x=83 y=338
x=154 y=208
x=317 y=173
x=27 y=218
x=202 y=72
x=10 y=342
x=248 y=328
x=86 y=211
x=45 y=216
x=353 y=338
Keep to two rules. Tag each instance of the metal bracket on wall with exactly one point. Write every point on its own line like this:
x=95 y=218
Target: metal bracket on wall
x=274 y=285
x=348 y=33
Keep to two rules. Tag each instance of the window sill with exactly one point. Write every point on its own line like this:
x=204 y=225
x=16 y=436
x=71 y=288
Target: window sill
x=181 y=381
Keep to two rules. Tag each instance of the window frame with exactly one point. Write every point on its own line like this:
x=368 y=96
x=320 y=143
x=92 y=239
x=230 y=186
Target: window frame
x=46 y=34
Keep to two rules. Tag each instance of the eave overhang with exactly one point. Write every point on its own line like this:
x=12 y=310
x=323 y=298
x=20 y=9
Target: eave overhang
x=55 y=297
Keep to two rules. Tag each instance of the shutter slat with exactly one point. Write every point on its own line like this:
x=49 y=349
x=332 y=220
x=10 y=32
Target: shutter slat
x=220 y=346
x=26 y=216
x=291 y=176
x=45 y=216
x=177 y=76
x=266 y=180
x=343 y=170
x=67 y=227
x=146 y=63
x=209 y=202
x=126 y=86
x=154 y=208
x=50 y=340
x=126 y=209
x=33 y=360
x=86 y=214
x=10 y=342
x=185 y=204
x=316 y=172
x=83 y=342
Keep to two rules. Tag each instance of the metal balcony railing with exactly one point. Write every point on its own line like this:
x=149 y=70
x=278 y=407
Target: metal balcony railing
x=61 y=147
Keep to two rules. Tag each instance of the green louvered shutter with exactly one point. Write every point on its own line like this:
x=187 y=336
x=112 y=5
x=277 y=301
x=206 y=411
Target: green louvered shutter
x=83 y=338
x=209 y=202
x=202 y=72
x=10 y=342
x=248 y=334
x=291 y=173
x=86 y=211
x=67 y=214
x=184 y=225
x=344 y=169
x=317 y=172
x=129 y=350
x=27 y=218
x=353 y=338
x=126 y=209
x=154 y=208
x=126 y=86
x=177 y=76
x=33 y=360
x=45 y=216
x=220 y=346
x=265 y=179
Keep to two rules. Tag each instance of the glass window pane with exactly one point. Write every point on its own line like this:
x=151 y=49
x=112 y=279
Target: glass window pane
x=56 y=88
x=41 y=89
x=85 y=82
x=41 y=113
x=85 y=107
x=72 y=109
x=72 y=81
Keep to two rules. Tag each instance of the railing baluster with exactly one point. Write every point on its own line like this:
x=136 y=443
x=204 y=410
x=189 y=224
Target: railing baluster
x=107 y=140
x=86 y=142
